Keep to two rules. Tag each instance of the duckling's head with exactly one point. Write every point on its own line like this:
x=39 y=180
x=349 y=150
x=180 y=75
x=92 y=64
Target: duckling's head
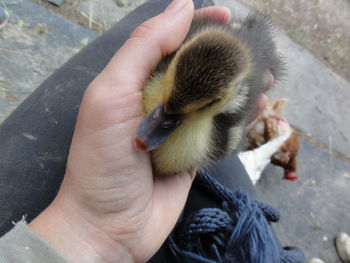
x=202 y=79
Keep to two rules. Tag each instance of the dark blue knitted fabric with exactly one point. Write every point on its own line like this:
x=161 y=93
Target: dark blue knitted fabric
x=237 y=232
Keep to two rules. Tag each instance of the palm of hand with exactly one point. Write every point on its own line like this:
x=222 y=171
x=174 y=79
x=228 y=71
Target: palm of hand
x=112 y=179
x=109 y=197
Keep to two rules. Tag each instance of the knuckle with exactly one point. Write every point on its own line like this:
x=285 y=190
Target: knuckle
x=144 y=31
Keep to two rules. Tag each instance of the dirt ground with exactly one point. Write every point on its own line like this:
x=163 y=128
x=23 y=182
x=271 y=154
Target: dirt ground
x=321 y=26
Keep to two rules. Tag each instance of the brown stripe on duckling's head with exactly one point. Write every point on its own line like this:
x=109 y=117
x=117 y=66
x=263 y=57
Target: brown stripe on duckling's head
x=204 y=71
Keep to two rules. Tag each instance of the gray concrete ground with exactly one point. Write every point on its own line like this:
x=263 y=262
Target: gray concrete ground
x=314 y=209
x=33 y=44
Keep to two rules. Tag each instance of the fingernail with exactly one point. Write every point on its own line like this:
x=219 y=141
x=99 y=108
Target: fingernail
x=175 y=6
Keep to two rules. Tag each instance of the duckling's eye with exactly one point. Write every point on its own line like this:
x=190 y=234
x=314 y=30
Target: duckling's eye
x=210 y=104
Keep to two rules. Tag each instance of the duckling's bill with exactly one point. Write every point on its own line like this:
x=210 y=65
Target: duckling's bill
x=156 y=128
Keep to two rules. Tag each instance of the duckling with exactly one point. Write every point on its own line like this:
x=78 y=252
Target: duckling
x=199 y=97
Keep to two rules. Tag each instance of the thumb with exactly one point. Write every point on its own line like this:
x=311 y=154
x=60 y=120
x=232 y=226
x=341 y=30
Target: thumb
x=161 y=35
x=170 y=195
x=115 y=94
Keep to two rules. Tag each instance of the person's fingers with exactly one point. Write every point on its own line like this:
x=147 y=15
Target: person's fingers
x=260 y=106
x=152 y=40
x=219 y=14
x=114 y=96
x=263 y=100
x=119 y=83
x=158 y=36
x=270 y=81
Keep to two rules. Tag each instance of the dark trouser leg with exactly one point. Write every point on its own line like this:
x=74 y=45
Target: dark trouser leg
x=35 y=138
x=231 y=174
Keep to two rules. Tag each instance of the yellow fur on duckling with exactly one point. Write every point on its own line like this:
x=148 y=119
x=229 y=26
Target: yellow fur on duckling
x=208 y=85
x=190 y=145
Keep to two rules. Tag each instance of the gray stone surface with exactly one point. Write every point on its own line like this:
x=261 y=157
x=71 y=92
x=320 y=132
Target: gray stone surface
x=34 y=44
x=319 y=99
x=316 y=207
x=103 y=13
x=107 y=12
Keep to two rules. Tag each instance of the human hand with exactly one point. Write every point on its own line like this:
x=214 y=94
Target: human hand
x=110 y=207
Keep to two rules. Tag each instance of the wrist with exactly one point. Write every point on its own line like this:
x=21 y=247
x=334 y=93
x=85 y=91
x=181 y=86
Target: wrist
x=76 y=239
